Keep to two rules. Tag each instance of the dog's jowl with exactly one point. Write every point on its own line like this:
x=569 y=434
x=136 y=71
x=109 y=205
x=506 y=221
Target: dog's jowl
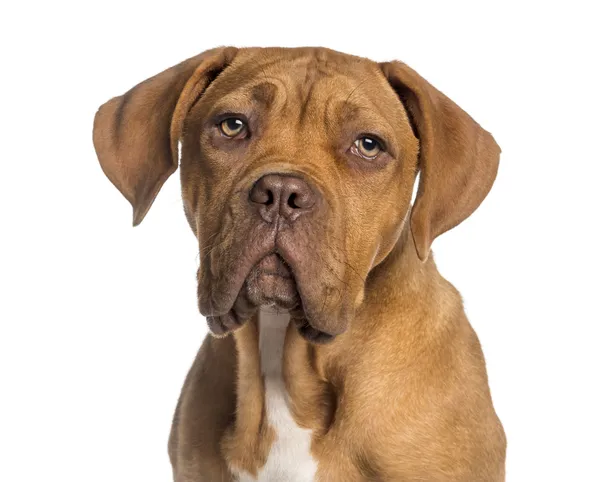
x=337 y=352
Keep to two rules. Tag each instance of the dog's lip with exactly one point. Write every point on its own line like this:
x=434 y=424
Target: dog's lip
x=221 y=313
x=235 y=316
x=223 y=324
x=231 y=283
x=310 y=333
x=233 y=319
x=273 y=264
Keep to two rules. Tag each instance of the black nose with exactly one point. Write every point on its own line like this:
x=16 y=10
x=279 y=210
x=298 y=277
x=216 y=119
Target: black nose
x=276 y=195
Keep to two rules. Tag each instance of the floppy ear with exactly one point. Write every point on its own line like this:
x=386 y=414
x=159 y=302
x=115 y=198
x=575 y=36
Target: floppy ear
x=458 y=159
x=136 y=135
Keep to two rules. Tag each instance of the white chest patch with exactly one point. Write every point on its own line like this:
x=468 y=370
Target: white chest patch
x=290 y=459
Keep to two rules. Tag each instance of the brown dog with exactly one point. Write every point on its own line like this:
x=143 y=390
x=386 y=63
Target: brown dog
x=351 y=358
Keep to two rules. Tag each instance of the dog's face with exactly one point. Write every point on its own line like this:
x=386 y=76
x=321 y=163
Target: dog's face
x=297 y=169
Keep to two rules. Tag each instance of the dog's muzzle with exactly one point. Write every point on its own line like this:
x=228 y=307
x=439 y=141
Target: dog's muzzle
x=280 y=210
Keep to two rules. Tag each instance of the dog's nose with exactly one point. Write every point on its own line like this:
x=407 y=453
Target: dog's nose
x=282 y=195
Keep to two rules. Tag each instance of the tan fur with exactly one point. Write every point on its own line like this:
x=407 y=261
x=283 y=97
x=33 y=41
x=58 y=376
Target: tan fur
x=401 y=393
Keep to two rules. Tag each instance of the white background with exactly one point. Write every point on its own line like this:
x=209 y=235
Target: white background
x=98 y=320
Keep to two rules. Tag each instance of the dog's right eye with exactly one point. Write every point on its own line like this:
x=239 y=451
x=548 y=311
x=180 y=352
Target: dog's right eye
x=233 y=127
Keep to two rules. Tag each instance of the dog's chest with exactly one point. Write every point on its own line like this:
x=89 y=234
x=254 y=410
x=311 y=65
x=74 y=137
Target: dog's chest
x=289 y=459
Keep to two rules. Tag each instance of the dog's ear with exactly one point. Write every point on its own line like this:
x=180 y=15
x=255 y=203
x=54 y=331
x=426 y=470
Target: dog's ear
x=458 y=159
x=136 y=135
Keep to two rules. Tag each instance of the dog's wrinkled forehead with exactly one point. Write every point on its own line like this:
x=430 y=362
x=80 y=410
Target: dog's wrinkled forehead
x=312 y=84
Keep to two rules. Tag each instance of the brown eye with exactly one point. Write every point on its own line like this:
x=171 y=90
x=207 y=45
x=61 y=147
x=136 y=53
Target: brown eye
x=232 y=127
x=368 y=147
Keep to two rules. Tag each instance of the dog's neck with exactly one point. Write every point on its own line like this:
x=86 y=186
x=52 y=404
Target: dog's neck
x=278 y=440
x=285 y=382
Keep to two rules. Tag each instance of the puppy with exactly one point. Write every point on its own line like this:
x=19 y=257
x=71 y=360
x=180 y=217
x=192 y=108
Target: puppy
x=337 y=351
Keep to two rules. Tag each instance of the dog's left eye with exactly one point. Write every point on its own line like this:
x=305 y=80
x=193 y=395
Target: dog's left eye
x=233 y=127
x=367 y=147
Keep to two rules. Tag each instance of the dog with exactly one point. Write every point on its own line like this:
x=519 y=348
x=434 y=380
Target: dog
x=337 y=351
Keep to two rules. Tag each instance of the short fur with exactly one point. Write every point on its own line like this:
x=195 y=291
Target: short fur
x=400 y=392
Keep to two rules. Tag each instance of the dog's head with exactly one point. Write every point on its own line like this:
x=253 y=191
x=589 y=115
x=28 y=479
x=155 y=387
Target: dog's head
x=297 y=168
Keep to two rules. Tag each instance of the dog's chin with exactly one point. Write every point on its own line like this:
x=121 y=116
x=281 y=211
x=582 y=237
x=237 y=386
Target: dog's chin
x=270 y=283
